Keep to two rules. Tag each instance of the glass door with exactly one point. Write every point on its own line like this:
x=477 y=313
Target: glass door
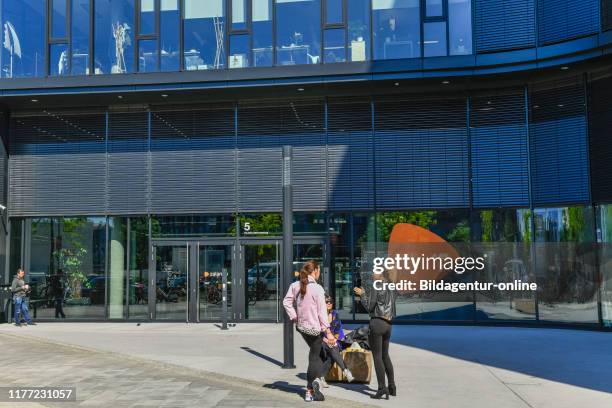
x=170 y=282
x=261 y=268
x=214 y=268
x=305 y=250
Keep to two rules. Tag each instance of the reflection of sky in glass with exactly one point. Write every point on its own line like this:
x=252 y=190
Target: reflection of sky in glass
x=59 y=59
x=239 y=14
x=396 y=29
x=333 y=11
x=298 y=39
x=204 y=34
x=23 y=51
x=169 y=36
x=460 y=27
x=147 y=55
x=262 y=33
x=80 y=37
x=335 y=47
x=433 y=8
x=58 y=19
x=397 y=32
x=434 y=39
x=239 y=51
x=114 y=55
x=147 y=16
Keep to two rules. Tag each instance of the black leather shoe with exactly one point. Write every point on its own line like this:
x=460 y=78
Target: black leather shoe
x=392 y=390
x=380 y=394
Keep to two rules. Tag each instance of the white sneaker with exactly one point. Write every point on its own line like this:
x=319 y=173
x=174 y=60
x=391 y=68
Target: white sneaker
x=308 y=397
x=348 y=375
x=324 y=383
x=317 y=395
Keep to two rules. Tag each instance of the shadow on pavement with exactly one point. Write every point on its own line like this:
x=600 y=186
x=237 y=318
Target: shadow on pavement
x=575 y=357
x=262 y=356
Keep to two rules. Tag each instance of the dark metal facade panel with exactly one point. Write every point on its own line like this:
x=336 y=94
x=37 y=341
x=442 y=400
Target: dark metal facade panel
x=57 y=164
x=499 y=148
x=128 y=175
x=421 y=154
x=501 y=25
x=600 y=129
x=560 y=20
x=350 y=155
x=558 y=143
x=193 y=161
x=262 y=131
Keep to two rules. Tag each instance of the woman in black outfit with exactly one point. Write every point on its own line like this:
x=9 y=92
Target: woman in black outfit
x=380 y=304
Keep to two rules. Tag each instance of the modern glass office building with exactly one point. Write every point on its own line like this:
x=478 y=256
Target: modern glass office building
x=142 y=151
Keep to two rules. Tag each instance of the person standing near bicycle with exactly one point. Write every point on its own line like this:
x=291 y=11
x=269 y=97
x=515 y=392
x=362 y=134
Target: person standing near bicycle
x=305 y=305
x=20 y=291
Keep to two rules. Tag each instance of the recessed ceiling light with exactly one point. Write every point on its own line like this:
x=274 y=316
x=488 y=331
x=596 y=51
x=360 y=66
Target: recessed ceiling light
x=445 y=82
x=164 y=96
x=34 y=100
x=300 y=89
x=564 y=68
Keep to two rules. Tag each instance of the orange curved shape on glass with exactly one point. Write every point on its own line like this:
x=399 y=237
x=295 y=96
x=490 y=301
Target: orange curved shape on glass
x=417 y=242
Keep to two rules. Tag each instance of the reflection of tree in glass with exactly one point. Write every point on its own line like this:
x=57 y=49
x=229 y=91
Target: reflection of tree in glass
x=386 y=221
x=69 y=253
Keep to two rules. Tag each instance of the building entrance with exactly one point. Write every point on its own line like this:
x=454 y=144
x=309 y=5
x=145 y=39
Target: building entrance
x=186 y=283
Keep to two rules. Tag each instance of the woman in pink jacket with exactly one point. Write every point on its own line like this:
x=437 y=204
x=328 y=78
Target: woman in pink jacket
x=305 y=305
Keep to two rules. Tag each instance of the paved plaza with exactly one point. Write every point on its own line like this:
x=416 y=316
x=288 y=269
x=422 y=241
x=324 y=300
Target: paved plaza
x=104 y=379
x=436 y=366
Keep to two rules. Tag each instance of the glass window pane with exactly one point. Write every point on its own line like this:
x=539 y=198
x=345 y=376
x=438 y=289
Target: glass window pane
x=298 y=40
x=604 y=234
x=147 y=17
x=23 y=51
x=505 y=236
x=565 y=264
x=333 y=11
x=147 y=56
x=262 y=33
x=460 y=26
x=169 y=35
x=80 y=37
x=335 y=45
x=58 y=63
x=435 y=39
x=114 y=47
x=434 y=8
x=138 y=292
x=117 y=246
x=239 y=14
x=396 y=29
x=67 y=267
x=359 y=29
x=239 y=51
x=58 y=19
x=204 y=34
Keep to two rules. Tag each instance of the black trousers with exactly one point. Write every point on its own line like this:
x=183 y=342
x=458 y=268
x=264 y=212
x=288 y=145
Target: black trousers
x=315 y=358
x=332 y=355
x=59 y=309
x=380 y=334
